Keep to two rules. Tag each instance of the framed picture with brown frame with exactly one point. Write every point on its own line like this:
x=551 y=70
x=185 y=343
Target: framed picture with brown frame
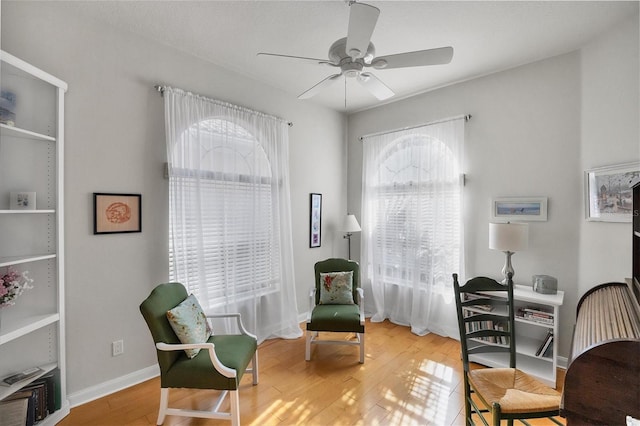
x=116 y=213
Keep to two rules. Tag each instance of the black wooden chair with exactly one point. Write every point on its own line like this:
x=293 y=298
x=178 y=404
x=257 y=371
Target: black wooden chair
x=486 y=324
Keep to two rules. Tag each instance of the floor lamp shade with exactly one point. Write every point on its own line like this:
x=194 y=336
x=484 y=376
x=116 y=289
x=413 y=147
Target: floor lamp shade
x=350 y=225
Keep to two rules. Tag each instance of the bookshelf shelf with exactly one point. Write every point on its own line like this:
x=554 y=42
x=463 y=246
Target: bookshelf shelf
x=48 y=211
x=17 y=260
x=6 y=390
x=23 y=133
x=18 y=328
x=32 y=332
x=530 y=335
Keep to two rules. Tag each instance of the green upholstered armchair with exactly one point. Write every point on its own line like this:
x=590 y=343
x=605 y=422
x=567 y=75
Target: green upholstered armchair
x=220 y=364
x=341 y=316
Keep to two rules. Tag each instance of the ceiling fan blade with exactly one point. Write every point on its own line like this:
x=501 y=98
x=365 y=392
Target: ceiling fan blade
x=375 y=86
x=314 y=60
x=439 y=56
x=318 y=87
x=362 y=21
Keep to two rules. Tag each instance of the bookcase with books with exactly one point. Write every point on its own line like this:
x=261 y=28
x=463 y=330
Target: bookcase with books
x=536 y=318
x=32 y=330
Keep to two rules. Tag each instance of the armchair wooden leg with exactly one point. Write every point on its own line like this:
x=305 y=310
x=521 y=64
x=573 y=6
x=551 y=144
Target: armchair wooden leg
x=307 y=351
x=235 y=408
x=164 y=403
x=254 y=365
x=361 y=339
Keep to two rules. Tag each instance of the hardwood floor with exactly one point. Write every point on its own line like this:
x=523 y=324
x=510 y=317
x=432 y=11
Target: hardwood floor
x=405 y=380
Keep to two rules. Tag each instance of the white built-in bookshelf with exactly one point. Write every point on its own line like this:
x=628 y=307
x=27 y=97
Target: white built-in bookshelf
x=531 y=331
x=32 y=332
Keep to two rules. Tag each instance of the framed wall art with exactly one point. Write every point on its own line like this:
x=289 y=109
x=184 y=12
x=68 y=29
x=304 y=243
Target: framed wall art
x=116 y=213
x=520 y=209
x=608 y=195
x=315 y=222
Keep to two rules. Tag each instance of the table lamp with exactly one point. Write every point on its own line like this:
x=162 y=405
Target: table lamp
x=509 y=238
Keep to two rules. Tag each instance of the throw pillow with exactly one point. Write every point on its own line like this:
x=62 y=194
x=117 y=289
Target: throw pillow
x=189 y=323
x=336 y=288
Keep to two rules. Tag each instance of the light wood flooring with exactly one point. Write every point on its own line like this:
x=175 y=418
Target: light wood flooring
x=405 y=380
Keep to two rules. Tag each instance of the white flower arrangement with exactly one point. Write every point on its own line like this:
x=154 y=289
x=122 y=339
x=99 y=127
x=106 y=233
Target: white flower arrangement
x=12 y=285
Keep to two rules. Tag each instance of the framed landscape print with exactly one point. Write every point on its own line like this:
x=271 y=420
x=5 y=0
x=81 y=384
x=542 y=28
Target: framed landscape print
x=608 y=194
x=523 y=209
x=116 y=213
x=315 y=225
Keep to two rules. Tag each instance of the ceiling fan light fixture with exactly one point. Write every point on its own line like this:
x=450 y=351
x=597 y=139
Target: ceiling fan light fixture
x=379 y=64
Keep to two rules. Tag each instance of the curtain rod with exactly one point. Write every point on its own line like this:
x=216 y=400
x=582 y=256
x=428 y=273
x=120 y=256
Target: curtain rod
x=466 y=117
x=161 y=90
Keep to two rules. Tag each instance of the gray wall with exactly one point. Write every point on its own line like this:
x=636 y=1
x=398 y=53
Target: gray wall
x=534 y=130
x=610 y=135
x=115 y=143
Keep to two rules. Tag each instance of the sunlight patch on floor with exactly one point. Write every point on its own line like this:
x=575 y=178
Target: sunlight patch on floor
x=425 y=397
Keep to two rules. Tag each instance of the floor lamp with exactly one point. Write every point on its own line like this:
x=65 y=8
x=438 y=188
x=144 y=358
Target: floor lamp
x=350 y=225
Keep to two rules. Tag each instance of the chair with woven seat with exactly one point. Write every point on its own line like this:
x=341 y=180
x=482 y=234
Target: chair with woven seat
x=208 y=361
x=336 y=304
x=503 y=393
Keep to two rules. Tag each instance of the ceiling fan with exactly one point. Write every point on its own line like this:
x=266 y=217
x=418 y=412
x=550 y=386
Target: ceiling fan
x=354 y=53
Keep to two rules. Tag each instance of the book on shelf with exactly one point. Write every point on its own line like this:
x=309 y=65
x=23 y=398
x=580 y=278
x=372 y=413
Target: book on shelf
x=479 y=297
x=14 y=412
x=39 y=390
x=23 y=375
x=535 y=314
x=28 y=409
x=544 y=345
x=548 y=353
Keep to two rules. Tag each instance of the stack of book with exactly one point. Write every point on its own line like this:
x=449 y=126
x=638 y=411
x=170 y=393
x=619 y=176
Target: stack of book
x=536 y=314
x=33 y=402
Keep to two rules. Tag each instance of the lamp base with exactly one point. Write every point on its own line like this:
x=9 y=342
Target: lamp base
x=507 y=268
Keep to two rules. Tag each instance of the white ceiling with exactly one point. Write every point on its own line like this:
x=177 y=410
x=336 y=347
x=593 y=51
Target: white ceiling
x=486 y=37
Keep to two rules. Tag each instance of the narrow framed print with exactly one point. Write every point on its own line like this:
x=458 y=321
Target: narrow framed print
x=116 y=213
x=315 y=225
x=608 y=194
x=523 y=209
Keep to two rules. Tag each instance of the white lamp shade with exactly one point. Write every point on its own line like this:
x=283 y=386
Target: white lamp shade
x=509 y=236
x=350 y=224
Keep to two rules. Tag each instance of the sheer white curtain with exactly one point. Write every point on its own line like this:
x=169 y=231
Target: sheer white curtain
x=412 y=237
x=230 y=220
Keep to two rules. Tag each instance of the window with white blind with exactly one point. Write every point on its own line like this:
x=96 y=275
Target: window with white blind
x=416 y=213
x=412 y=220
x=227 y=228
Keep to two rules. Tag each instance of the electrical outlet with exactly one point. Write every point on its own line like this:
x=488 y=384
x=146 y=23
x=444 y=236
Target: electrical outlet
x=117 y=348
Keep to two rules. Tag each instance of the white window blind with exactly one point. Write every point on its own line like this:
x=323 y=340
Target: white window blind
x=412 y=220
x=229 y=211
x=225 y=216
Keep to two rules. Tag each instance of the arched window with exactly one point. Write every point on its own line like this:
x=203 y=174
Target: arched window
x=226 y=212
x=412 y=220
x=417 y=212
x=229 y=211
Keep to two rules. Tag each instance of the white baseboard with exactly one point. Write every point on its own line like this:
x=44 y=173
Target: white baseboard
x=111 y=386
